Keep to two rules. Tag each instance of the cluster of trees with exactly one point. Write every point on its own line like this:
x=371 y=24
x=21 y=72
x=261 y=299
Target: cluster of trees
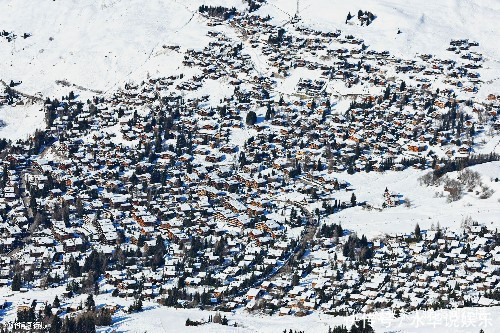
x=360 y=326
x=3 y=145
x=253 y=5
x=357 y=248
x=251 y=118
x=330 y=209
x=51 y=112
x=297 y=170
x=39 y=140
x=175 y=296
x=331 y=231
x=16 y=282
x=84 y=322
x=493 y=294
x=361 y=105
x=295 y=218
x=190 y=322
x=157 y=253
x=10 y=36
x=95 y=265
x=447 y=165
x=11 y=95
x=96 y=262
x=278 y=39
x=242 y=96
x=363 y=16
x=136 y=306
x=453 y=120
x=466 y=180
x=218 y=319
x=217 y=11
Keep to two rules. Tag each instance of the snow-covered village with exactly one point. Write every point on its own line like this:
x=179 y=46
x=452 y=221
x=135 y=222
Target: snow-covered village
x=249 y=166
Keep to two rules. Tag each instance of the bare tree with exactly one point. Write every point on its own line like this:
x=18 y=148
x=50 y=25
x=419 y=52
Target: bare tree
x=454 y=189
x=469 y=179
x=486 y=192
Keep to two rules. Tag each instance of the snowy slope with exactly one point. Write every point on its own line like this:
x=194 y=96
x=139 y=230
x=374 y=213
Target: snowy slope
x=427 y=207
x=444 y=321
x=427 y=26
x=164 y=319
x=95 y=44
x=21 y=121
x=99 y=43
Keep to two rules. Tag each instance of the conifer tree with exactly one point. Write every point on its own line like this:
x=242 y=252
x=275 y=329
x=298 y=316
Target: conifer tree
x=16 y=282
x=418 y=236
x=56 y=302
x=353 y=200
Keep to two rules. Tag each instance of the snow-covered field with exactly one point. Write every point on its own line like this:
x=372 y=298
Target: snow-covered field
x=426 y=208
x=21 y=121
x=99 y=43
x=96 y=44
x=163 y=319
x=426 y=25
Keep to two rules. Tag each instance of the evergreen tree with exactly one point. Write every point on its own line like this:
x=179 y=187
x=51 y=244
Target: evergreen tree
x=79 y=207
x=55 y=325
x=90 y=303
x=56 y=302
x=16 y=282
x=403 y=86
x=73 y=267
x=251 y=118
x=387 y=93
x=353 y=200
x=104 y=318
x=418 y=236
x=138 y=305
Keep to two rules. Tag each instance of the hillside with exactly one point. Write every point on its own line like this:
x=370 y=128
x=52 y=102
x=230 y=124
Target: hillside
x=272 y=165
x=100 y=44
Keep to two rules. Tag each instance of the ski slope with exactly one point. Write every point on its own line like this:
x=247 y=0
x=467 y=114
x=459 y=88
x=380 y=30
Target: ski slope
x=95 y=44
